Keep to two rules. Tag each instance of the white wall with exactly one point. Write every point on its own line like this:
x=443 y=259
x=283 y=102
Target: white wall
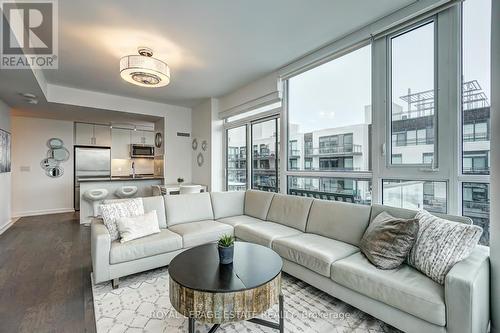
x=201 y=130
x=177 y=148
x=5 y=178
x=217 y=149
x=33 y=192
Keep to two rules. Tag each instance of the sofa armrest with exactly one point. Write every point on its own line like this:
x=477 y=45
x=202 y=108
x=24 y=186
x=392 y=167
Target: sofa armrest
x=100 y=247
x=467 y=293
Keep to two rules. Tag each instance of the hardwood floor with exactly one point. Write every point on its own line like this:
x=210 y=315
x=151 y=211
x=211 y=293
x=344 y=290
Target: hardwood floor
x=45 y=270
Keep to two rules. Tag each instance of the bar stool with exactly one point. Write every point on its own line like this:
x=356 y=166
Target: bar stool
x=95 y=197
x=126 y=191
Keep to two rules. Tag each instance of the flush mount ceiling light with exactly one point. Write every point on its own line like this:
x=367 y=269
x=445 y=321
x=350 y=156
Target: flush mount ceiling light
x=144 y=70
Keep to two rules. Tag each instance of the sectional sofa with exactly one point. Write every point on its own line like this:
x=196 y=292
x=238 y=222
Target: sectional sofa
x=318 y=241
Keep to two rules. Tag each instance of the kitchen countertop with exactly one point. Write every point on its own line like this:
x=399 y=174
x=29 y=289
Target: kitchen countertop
x=121 y=179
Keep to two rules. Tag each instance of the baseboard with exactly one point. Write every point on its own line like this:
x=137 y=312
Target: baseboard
x=42 y=212
x=8 y=225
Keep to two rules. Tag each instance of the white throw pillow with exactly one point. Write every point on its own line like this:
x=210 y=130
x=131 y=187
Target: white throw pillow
x=113 y=211
x=440 y=244
x=138 y=226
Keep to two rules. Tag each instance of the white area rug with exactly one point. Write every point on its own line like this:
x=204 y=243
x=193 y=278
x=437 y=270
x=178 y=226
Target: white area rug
x=141 y=304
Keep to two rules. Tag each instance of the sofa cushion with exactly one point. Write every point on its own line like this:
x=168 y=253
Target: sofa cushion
x=313 y=251
x=226 y=204
x=290 y=210
x=263 y=233
x=342 y=221
x=403 y=288
x=257 y=203
x=163 y=242
x=201 y=232
x=237 y=220
x=185 y=208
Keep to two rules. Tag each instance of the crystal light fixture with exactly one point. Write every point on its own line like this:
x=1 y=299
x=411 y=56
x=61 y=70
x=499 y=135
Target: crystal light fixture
x=144 y=70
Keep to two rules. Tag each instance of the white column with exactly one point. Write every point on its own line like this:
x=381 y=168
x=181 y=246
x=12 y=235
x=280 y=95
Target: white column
x=495 y=167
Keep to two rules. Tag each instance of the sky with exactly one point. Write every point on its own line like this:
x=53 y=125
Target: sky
x=336 y=93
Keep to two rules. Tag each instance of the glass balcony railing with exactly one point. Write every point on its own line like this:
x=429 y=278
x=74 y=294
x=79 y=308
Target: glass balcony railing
x=334 y=150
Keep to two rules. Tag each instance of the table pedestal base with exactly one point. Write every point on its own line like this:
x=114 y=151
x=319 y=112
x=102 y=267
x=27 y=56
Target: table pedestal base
x=280 y=326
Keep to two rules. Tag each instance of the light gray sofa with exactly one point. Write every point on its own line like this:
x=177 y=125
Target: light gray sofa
x=318 y=241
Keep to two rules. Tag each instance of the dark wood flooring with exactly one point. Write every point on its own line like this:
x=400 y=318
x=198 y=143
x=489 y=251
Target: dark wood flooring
x=45 y=270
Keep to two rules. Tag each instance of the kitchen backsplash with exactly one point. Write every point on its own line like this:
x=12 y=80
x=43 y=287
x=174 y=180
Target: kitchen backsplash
x=123 y=167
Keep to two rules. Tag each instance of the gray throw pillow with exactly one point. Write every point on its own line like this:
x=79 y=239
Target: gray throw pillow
x=388 y=240
x=441 y=244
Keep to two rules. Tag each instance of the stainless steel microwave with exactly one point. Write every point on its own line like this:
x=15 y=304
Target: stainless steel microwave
x=142 y=151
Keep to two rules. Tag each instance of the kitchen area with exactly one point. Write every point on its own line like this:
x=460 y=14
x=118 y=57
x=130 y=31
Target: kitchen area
x=114 y=161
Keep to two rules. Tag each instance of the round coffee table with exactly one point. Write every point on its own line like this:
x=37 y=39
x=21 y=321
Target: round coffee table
x=204 y=290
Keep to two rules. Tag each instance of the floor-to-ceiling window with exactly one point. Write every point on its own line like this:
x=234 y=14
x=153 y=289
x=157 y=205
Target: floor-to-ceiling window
x=418 y=138
x=412 y=94
x=329 y=119
x=476 y=96
x=252 y=149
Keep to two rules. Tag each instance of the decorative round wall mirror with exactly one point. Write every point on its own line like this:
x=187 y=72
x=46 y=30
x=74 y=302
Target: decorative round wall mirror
x=55 y=156
x=55 y=172
x=194 y=144
x=59 y=154
x=200 y=159
x=47 y=163
x=158 y=140
x=55 y=143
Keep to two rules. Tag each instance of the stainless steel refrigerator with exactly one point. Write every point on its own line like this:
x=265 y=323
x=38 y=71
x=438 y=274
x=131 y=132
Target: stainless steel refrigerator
x=91 y=163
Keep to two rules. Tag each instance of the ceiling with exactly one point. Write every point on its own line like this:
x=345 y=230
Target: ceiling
x=25 y=82
x=212 y=47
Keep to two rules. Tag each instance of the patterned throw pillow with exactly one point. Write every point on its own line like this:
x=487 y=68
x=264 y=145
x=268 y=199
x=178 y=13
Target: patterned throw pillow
x=388 y=240
x=441 y=244
x=113 y=211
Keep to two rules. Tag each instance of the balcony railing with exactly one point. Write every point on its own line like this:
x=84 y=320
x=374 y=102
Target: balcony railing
x=476 y=170
x=476 y=207
x=351 y=149
x=471 y=137
x=413 y=142
x=333 y=196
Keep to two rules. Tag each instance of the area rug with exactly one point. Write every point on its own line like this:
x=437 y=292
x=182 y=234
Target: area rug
x=141 y=304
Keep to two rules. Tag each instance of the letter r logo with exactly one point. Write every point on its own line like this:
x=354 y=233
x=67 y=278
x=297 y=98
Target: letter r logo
x=27 y=27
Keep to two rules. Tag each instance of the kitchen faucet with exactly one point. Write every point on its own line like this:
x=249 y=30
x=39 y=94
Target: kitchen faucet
x=133 y=169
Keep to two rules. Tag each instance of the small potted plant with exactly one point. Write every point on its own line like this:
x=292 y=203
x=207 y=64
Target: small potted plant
x=180 y=180
x=226 y=249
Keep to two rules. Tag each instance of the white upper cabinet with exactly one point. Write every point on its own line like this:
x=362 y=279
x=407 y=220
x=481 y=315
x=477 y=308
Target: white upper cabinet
x=120 y=148
x=143 y=138
x=92 y=135
x=84 y=134
x=102 y=135
x=149 y=138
